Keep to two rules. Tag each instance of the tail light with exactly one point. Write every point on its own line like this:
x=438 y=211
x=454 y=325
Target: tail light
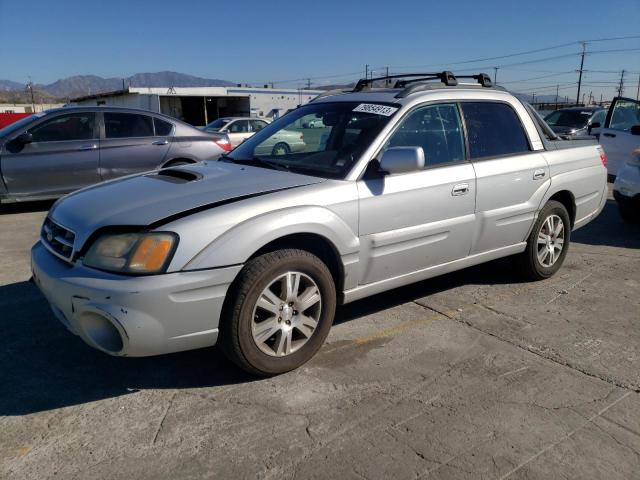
x=603 y=157
x=224 y=144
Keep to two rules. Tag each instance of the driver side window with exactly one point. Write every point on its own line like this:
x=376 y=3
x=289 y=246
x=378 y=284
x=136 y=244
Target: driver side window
x=435 y=128
x=73 y=126
x=626 y=114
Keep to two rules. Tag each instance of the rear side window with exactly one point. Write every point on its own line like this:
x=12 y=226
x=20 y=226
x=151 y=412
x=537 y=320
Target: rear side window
x=162 y=128
x=239 y=126
x=122 y=125
x=493 y=129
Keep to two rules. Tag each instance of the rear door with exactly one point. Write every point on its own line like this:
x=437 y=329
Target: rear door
x=511 y=176
x=132 y=143
x=616 y=137
x=415 y=220
x=62 y=157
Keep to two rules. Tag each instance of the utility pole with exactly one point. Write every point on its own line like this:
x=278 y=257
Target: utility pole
x=584 y=47
x=557 y=91
x=638 y=90
x=387 y=81
x=308 y=84
x=366 y=71
x=590 y=97
x=533 y=100
x=33 y=102
x=495 y=75
x=621 y=86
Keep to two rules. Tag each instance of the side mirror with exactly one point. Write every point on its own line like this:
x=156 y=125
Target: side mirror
x=402 y=160
x=24 y=138
x=592 y=126
x=635 y=130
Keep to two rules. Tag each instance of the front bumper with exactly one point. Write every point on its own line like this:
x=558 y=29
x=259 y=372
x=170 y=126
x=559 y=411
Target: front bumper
x=134 y=316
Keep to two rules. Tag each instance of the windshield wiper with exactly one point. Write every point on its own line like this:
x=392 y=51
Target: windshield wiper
x=257 y=162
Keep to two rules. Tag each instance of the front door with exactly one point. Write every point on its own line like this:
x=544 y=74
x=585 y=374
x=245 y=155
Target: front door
x=62 y=157
x=616 y=137
x=415 y=220
x=132 y=144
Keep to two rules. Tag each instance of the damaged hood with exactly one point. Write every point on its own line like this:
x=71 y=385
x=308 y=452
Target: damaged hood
x=153 y=198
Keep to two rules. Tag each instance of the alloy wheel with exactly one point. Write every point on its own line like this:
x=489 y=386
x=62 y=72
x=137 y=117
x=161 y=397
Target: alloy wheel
x=550 y=240
x=286 y=314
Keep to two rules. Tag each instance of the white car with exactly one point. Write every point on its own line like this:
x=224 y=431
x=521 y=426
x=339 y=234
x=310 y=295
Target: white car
x=237 y=129
x=626 y=189
x=620 y=134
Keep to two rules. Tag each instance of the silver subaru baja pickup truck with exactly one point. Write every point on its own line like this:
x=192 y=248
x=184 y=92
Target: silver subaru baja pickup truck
x=254 y=251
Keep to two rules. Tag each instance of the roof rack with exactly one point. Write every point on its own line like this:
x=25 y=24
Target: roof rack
x=413 y=82
x=445 y=77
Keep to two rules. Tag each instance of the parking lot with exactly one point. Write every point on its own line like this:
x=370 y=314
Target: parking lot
x=470 y=375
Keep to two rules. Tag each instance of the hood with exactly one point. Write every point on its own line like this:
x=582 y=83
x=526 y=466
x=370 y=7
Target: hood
x=156 y=197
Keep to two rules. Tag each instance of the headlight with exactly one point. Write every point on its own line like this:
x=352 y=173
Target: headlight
x=132 y=252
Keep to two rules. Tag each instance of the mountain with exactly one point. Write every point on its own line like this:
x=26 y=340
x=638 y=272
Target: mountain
x=8 y=86
x=79 y=85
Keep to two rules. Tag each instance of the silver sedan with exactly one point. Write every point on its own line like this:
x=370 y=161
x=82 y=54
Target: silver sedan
x=58 y=151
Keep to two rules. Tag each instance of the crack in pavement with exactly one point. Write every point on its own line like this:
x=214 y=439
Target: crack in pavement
x=164 y=416
x=565 y=437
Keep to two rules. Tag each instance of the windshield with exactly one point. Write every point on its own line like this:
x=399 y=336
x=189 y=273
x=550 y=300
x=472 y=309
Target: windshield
x=569 y=118
x=18 y=125
x=216 y=125
x=323 y=139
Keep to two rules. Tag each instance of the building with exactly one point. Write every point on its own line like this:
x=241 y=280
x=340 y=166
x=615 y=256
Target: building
x=27 y=107
x=201 y=105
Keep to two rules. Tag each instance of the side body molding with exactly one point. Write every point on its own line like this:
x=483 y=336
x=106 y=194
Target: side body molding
x=237 y=245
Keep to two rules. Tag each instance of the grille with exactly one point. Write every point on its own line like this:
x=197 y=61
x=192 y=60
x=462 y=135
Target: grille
x=58 y=239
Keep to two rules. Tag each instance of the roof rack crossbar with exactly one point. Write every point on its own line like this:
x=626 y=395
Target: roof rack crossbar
x=482 y=78
x=446 y=77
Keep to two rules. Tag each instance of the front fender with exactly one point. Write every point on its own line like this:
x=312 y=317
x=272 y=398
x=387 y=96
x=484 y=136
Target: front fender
x=239 y=243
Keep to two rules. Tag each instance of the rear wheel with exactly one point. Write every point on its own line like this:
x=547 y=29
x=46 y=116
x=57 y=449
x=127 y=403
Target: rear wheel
x=548 y=242
x=630 y=210
x=176 y=163
x=280 y=312
x=281 y=148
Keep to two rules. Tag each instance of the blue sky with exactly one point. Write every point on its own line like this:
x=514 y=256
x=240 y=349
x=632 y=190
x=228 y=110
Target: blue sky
x=329 y=41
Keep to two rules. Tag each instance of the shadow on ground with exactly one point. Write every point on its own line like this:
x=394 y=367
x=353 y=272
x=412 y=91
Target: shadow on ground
x=609 y=230
x=45 y=367
x=26 y=207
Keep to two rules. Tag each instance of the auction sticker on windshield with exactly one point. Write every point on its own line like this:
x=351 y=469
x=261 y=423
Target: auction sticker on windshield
x=377 y=109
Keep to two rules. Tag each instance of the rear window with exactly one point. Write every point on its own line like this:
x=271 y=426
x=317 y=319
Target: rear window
x=493 y=129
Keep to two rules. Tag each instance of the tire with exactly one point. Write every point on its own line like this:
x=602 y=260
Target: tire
x=257 y=338
x=627 y=211
x=281 y=148
x=538 y=262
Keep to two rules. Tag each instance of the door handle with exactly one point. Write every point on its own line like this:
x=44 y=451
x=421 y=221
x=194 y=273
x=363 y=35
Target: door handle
x=160 y=142
x=538 y=174
x=88 y=147
x=612 y=135
x=460 y=189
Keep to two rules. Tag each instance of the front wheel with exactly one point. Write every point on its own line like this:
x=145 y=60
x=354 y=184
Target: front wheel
x=548 y=242
x=279 y=313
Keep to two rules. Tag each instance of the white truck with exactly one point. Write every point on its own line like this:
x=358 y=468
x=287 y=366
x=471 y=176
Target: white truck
x=620 y=138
